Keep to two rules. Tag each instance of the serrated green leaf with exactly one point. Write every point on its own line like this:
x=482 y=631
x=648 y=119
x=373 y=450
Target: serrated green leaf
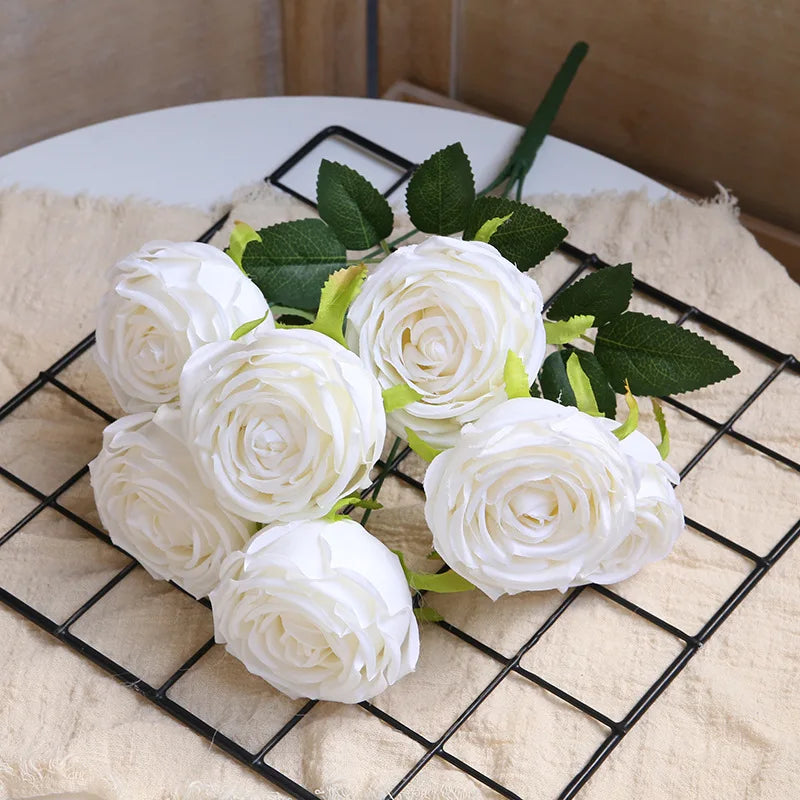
x=246 y=327
x=486 y=231
x=658 y=357
x=663 y=446
x=428 y=614
x=525 y=239
x=516 y=379
x=581 y=386
x=424 y=450
x=241 y=234
x=356 y=211
x=632 y=421
x=399 y=397
x=554 y=381
x=337 y=294
x=566 y=330
x=292 y=260
x=440 y=582
x=441 y=191
x=605 y=294
x=604 y=395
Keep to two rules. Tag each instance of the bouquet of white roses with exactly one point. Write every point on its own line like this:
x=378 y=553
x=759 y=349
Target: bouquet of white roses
x=260 y=383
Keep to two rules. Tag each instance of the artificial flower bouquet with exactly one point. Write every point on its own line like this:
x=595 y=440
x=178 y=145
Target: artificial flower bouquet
x=259 y=384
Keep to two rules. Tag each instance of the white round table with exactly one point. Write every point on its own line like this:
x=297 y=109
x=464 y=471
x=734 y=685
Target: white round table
x=199 y=154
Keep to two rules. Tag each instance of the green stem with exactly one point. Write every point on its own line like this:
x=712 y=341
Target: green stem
x=387 y=466
x=385 y=247
x=587 y=338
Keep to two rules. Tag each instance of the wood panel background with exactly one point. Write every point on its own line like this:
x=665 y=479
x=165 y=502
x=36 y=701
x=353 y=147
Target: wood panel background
x=687 y=91
x=69 y=63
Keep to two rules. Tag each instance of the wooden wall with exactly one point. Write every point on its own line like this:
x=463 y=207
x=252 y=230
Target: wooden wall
x=69 y=63
x=687 y=91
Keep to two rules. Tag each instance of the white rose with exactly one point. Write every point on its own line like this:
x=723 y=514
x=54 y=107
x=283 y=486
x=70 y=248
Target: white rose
x=659 y=515
x=318 y=609
x=153 y=504
x=283 y=425
x=441 y=317
x=533 y=496
x=165 y=301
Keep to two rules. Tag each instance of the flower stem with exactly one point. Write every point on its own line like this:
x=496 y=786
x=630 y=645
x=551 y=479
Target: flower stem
x=385 y=247
x=587 y=338
x=387 y=466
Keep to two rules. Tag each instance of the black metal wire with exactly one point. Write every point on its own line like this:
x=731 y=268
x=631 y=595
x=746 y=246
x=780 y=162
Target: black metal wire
x=433 y=749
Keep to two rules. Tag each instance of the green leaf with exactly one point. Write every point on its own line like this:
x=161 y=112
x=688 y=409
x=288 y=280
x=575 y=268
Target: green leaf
x=568 y=329
x=604 y=395
x=428 y=614
x=425 y=451
x=440 y=582
x=292 y=261
x=632 y=421
x=488 y=228
x=605 y=294
x=241 y=234
x=355 y=500
x=581 y=386
x=338 y=292
x=286 y=311
x=658 y=357
x=515 y=377
x=399 y=397
x=441 y=191
x=358 y=213
x=525 y=239
x=663 y=446
x=245 y=328
x=554 y=381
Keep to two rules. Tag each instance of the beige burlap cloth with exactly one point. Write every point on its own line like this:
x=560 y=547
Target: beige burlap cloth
x=727 y=728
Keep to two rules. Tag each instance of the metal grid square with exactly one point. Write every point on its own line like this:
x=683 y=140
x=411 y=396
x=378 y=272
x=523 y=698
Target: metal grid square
x=515 y=662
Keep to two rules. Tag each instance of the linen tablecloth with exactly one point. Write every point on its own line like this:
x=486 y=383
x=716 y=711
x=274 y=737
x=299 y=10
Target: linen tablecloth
x=727 y=728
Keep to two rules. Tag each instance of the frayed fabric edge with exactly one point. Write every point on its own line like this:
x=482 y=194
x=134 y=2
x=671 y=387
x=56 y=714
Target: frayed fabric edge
x=56 y=776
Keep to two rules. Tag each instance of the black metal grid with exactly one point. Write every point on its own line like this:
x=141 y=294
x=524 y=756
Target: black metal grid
x=433 y=749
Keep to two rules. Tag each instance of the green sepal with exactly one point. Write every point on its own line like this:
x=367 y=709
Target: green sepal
x=581 y=387
x=354 y=500
x=486 y=231
x=337 y=294
x=663 y=446
x=428 y=614
x=246 y=327
x=356 y=211
x=286 y=311
x=424 y=450
x=604 y=294
x=440 y=582
x=291 y=261
x=241 y=235
x=441 y=191
x=632 y=422
x=399 y=396
x=566 y=330
x=516 y=379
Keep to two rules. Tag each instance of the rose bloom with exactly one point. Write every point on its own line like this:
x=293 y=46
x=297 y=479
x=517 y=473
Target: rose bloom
x=154 y=506
x=318 y=609
x=441 y=317
x=164 y=302
x=659 y=515
x=533 y=496
x=282 y=425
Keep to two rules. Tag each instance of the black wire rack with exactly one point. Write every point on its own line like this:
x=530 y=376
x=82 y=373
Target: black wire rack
x=615 y=729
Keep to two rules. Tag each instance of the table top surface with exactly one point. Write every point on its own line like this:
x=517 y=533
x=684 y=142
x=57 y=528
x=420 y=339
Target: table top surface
x=199 y=154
